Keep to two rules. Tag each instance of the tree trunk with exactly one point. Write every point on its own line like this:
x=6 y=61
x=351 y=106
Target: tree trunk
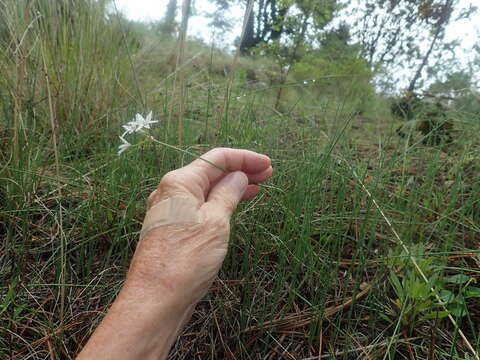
x=442 y=22
x=248 y=40
x=169 y=22
x=418 y=73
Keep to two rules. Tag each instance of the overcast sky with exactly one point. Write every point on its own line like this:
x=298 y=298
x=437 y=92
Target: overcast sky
x=148 y=10
x=151 y=10
x=467 y=31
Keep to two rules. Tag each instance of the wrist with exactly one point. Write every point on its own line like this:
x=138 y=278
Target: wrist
x=155 y=299
x=137 y=326
x=177 y=265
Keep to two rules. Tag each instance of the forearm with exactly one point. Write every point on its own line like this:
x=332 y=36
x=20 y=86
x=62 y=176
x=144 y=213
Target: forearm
x=183 y=244
x=162 y=288
x=137 y=326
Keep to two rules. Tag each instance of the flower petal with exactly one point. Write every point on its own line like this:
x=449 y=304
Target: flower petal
x=139 y=118
x=149 y=117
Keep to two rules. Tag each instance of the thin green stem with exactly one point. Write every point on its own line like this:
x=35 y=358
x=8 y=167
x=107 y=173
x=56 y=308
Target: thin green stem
x=188 y=153
x=201 y=158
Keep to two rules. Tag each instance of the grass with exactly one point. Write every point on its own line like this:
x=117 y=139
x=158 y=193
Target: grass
x=312 y=261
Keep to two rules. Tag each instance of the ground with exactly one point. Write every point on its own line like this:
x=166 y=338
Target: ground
x=363 y=244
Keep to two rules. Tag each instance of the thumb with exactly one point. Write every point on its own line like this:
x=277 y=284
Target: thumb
x=227 y=193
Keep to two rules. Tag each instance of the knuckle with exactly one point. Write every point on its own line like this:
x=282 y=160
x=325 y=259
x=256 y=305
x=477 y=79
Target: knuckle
x=151 y=198
x=169 y=185
x=230 y=204
x=168 y=180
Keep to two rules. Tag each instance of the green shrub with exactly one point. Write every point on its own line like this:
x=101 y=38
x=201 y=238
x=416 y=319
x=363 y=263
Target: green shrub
x=339 y=76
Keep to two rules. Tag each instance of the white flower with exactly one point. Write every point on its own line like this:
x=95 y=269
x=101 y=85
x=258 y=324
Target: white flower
x=139 y=124
x=123 y=146
x=130 y=128
x=136 y=125
x=145 y=122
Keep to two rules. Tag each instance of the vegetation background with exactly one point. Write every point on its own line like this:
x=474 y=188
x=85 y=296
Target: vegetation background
x=364 y=245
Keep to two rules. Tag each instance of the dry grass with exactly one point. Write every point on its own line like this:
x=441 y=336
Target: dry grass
x=311 y=261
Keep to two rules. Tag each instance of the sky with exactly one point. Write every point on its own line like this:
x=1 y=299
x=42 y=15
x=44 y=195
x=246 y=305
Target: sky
x=151 y=10
x=467 y=31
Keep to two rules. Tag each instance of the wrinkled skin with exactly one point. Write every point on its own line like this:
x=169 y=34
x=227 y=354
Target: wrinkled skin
x=174 y=265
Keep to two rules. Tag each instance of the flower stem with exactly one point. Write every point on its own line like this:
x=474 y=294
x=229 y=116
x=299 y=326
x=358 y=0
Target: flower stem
x=203 y=159
x=188 y=153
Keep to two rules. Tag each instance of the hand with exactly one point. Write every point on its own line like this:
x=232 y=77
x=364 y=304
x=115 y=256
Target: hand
x=182 y=256
x=183 y=243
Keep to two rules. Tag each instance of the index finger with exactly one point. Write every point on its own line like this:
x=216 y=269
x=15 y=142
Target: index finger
x=256 y=166
x=198 y=177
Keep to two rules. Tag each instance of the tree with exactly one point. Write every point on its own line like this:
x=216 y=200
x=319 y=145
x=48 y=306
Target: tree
x=403 y=34
x=304 y=16
x=457 y=82
x=460 y=91
x=270 y=20
x=439 y=14
x=265 y=23
x=168 y=25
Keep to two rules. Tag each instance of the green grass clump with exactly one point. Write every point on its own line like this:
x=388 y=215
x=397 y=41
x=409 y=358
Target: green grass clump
x=314 y=268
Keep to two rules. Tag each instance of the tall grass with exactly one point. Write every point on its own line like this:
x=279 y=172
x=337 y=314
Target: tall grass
x=309 y=271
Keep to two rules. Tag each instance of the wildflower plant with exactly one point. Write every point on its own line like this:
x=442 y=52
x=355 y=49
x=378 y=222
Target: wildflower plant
x=142 y=125
x=138 y=125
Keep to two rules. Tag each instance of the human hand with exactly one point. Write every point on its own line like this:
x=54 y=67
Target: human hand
x=183 y=242
x=185 y=234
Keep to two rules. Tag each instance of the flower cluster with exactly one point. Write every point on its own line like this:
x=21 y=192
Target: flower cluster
x=137 y=125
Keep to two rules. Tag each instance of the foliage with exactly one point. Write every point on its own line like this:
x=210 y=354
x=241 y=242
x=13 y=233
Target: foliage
x=462 y=93
x=167 y=26
x=404 y=34
x=305 y=257
x=468 y=106
x=72 y=63
x=419 y=300
x=337 y=70
x=272 y=21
